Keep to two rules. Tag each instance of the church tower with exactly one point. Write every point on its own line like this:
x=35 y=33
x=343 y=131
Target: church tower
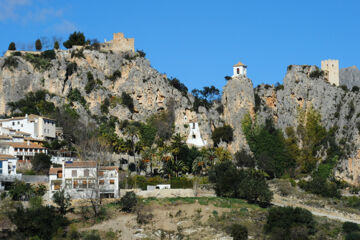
x=239 y=69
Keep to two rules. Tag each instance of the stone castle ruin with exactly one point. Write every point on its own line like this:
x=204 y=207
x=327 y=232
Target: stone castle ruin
x=331 y=71
x=119 y=44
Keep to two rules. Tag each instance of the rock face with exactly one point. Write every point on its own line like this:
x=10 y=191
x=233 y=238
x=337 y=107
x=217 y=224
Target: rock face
x=350 y=77
x=150 y=90
x=152 y=93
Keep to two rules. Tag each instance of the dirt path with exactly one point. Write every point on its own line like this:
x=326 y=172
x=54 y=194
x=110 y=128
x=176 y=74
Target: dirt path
x=323 y=212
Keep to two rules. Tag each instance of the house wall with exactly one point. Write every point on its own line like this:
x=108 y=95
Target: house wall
x=242 y=71
x=194 y=137
x=21 y=125
x=46 y=128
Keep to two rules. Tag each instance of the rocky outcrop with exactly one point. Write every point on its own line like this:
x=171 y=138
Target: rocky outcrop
x=350 y=77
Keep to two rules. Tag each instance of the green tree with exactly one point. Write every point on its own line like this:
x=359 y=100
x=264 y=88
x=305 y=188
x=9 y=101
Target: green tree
x=42 y=222
x=244 y=159
x=132 y=131
x=56 y=45
x=12 y=46
x=128 y=202
x=76 y=38
x=21 y=191
x=63 y=202
x=238 y=232
x=38 y=45
x=224 y=134
x=41 y=163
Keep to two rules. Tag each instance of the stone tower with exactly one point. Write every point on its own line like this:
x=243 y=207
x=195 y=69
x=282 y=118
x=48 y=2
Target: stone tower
x=119 y=44
x=240 y=69
x=331 y=70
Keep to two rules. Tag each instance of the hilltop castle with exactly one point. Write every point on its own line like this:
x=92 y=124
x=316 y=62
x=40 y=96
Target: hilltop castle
x=119 y=44
x=331 y=70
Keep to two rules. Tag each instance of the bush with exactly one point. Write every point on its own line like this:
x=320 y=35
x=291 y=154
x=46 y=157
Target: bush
x=104 y=108
x=41 y=163
x=244 y=159
x=143 y=214
x=38 y=61
x=238 y=232
x=316 y=73
x=181 y=182
x=12 y=46
x=224 y=134
x=70 y=69
x=114 y=76
x=321 y=186
x=141 y=53
x=353 y=236
x=127 y=101
x=93 y=235
x=75 y=96
x=286 y=220
x=349 y=227
x=63 y=201
x=344 y=87
x=49 y=54
x=76 y=38
x=21 y=191
x=220 y=109
x=56 y=45
x=90 y=84
x=10 y=63
x=355 y=89
x=78 y=53
x=227 y=78
x=128 y=202
x=178 y=85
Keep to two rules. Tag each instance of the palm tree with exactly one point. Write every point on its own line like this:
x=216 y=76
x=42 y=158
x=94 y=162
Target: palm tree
x=132 y=132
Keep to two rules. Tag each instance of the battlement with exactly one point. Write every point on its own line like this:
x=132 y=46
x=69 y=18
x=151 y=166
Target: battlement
x=331 y=70
x=119 y=43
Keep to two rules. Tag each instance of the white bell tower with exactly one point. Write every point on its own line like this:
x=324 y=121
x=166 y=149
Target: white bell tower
x=240 y=69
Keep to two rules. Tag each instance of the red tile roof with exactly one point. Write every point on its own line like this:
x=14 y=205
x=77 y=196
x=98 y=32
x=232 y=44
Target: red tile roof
x=4 y=157
x=54 y=171
x=24 y=145
x=85 y=164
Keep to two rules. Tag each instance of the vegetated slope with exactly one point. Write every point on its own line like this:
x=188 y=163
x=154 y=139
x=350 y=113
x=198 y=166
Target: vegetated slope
x=99 y=84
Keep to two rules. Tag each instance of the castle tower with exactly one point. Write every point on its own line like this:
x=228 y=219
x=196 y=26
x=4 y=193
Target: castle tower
x=239 y=69
x=331 y=70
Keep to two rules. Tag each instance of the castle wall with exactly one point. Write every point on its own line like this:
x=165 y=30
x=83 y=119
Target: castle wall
x=120 y=43
x=331 y=69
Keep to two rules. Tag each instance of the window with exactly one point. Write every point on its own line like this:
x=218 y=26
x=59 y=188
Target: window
x=193 y=136
x=86 y=172
x=193 y=125
x=18 y=123
x=22 y=125
x=112 y=181
x=13 y=123
x=101 y=173
x=101 y=182
x=74 y=173
x=237 y=70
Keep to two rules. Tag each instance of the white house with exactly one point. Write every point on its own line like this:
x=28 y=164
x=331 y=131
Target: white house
x=239 y=69
x=8 y=170
x=24 y=151
x=37 y=126
x=194 y=137
x=79 y=179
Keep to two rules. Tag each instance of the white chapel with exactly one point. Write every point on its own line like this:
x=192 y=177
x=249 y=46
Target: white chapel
x=240 y=69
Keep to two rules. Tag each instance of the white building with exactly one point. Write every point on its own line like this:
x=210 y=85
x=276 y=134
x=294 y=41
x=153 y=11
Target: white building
x=194 y=137
x=8 y=170
x=24 y=151
x=79 y=178
x=239 y=69
x=37 y=126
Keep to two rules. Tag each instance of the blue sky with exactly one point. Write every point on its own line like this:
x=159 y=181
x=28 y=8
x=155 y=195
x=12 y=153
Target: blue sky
x=199 y=41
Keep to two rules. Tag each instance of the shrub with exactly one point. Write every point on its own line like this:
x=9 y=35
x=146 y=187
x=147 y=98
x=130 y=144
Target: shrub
x=21 y=191
x=38 y=61
x=12 y=46
x=227 y=78
x=70 y=69
x=321 y=186
x=143 y=214
x=285 y=219
x=244 y=159
x=220 y=109
x=316 y=73
x=344 y=87
x=128 y=202
x=93 y=235
x=41 y=163
x=90 y=84
x=238 y=232
x=349 y=227
x=114 y=76
x=353 y=236
x=127 y=101
x=10 y=63
x=104 y=108
x=63 y=201
x=178 y=85
x=38 y=45
x=141 y=53
x=181 y=182
x=224 y=134
x=49 y=54
x=76 y=38
x=75 y=96
x=279 y=86
x=355 y=89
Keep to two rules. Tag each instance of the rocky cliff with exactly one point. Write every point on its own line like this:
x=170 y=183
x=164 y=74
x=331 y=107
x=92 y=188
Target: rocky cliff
x=128 y=72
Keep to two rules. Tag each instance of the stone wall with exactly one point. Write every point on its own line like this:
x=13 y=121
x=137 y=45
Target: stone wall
x=119 y=44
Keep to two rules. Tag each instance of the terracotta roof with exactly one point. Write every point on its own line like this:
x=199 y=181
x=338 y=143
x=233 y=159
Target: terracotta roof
x=5 y=137
x=4 y=157
x=54 y=171
x=239 y=64
x=24 y=145
x=17 y=136
x=110 y=168
x=33 y=139
x=80 y=164
x=32 y=117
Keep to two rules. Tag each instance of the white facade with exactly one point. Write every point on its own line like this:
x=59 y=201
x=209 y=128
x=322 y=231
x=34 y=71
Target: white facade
x=79 y=179
x=194 y=137
x=21 y=150
x=37 y=126
x=8 y=170
x=239 y=69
